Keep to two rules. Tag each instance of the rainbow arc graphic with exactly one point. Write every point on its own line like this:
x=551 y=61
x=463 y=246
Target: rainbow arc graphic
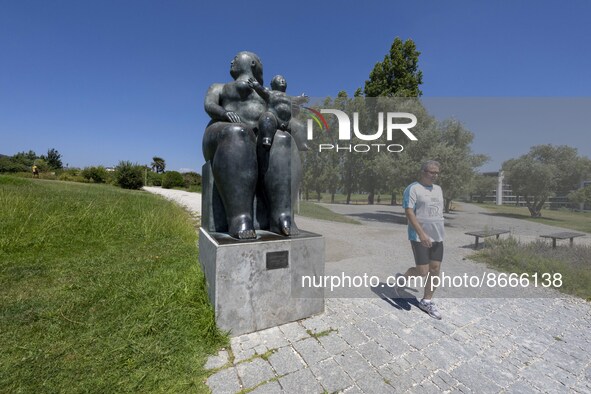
x=318 y=118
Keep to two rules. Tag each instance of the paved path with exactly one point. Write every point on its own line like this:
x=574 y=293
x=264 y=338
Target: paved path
x=369 y=341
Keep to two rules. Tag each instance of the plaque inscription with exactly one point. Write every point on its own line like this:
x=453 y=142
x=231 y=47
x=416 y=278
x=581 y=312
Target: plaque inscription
x=277 y=260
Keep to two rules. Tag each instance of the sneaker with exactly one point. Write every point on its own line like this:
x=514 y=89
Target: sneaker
x=430 y=308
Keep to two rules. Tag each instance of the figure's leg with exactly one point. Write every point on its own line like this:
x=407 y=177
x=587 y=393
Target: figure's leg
x=281 y=184
x=434 y=271
x=234 y=167
x=267 y=128
x=298 y=132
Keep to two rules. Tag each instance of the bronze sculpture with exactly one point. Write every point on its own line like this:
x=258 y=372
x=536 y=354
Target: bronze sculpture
x=257 y=182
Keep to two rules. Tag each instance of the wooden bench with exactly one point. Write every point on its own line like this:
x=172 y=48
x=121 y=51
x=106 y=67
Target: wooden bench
x=486 y=233
x=563 y=235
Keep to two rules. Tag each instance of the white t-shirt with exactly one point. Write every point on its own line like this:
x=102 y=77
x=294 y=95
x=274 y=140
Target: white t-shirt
x=427 y=204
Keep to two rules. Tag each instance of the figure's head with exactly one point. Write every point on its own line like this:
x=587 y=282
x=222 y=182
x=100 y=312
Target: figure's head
x=429 y=172
x=247 y=63
x=279 y=83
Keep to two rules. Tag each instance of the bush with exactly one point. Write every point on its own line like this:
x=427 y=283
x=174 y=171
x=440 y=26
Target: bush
x=129 y=175
x=96 y=174
x=572 y=263
x=72 y=171
x=172 y=179
x=42 y=165
x=154 y=178
x=69 y=177
x=7 y=164
x=192 y=179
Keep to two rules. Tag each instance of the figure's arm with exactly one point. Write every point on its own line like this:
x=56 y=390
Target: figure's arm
x=261 y=90
x=298 y=100
x=213 y=107
x=414 y=222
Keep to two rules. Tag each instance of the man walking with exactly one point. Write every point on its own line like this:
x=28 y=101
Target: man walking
x=423 y=205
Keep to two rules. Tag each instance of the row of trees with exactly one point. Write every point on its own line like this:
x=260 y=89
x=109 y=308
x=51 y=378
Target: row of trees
x=393 y=84
x=24 y=161
x=548 y=170
x=126 y=174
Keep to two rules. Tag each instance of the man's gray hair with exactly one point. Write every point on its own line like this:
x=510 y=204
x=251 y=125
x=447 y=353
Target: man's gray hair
x=429 y=163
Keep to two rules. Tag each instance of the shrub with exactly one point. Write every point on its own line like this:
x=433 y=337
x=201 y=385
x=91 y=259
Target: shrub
x=96 y=174
x=154 y=178
x=7 y=164
x=572 y=263
x=70 y=177
x=42 y=165
x=73 y=171
x=172 y=179
x=129 y=175
x=192 y=179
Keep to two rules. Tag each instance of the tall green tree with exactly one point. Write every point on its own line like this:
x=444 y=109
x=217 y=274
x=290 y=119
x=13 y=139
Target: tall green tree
x=542 y=172
x=54 y=159
x=398 y=75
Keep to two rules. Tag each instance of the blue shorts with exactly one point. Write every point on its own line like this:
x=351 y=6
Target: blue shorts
x=424 y=255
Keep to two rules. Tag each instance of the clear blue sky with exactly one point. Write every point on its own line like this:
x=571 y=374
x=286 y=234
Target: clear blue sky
x=103 y=81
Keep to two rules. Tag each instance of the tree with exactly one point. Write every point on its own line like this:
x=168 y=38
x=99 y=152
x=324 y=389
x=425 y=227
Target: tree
x=482 y=185
x=581 y=196
x=7 y=164
x=158 y=164
x=458 y=163
x=25 y=158
x=545 y=170
x=54 y=160
x=398 y=75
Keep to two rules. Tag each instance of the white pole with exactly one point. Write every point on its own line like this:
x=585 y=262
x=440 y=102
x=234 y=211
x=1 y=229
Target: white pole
x=500 y=188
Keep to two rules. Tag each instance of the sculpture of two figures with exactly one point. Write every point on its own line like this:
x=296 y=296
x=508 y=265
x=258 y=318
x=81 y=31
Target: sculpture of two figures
x=252 y=145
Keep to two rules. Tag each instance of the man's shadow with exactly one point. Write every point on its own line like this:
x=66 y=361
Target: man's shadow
x=400 y=298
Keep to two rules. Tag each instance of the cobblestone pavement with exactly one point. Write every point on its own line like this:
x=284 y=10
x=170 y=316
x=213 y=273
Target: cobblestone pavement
x=375 y=342
x=371 y=346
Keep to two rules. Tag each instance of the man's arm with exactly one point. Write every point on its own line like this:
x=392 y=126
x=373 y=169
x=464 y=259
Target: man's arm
x=410 y=215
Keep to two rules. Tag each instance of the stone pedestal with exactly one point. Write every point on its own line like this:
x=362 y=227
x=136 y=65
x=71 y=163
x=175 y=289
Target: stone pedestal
x=257 y=284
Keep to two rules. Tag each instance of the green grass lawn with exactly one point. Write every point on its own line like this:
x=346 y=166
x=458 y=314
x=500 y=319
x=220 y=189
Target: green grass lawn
x=100 y=291
x=315 y=211
x=578 y=221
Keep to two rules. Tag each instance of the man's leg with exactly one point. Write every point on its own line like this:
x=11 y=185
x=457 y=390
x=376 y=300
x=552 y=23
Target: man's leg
x=434 y=268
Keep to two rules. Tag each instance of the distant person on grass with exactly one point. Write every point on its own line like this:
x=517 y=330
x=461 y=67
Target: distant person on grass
x=423 y=205
x=35 y=172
